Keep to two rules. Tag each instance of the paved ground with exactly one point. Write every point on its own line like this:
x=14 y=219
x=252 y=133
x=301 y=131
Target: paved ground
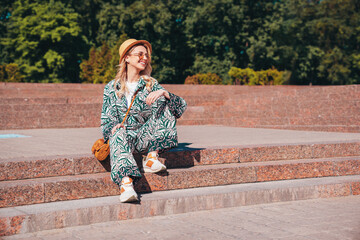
x=50 y=142
x=333 y=218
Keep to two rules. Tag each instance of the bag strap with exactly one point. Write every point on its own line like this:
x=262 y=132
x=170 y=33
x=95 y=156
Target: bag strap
x=132 y=101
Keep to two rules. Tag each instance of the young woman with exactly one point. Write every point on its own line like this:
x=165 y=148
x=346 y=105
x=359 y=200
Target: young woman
x=150 y=124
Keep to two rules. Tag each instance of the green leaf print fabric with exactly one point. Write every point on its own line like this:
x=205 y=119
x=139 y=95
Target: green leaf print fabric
x=146 y=127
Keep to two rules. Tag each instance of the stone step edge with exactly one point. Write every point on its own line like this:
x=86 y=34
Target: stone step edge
x=39 y=217
x=31 y=191
x=193 y=101
x=27 y=168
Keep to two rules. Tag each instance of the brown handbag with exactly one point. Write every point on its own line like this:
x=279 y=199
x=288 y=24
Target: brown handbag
x=101 y=149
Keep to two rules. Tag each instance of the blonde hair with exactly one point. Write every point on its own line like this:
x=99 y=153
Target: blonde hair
x=121 y=75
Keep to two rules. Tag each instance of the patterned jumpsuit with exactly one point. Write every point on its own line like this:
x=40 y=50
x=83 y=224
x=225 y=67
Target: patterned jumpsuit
x=146 y=127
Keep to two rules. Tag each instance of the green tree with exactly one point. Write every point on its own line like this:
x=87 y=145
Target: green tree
x=216 y=35
x=87 y=10
x=44 y=39
x=102 y=62
x=161 y=22
x=5 y=15
x=226 y=33
x=262 y=49
x=316 y=40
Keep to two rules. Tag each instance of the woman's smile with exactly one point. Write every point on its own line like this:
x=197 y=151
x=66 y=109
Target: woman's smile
x=143 y=62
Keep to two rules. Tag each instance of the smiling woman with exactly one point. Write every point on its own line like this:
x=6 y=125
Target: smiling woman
x=138 y=115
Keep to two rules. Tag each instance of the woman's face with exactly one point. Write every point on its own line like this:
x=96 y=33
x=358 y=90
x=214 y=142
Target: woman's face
x=138 y=58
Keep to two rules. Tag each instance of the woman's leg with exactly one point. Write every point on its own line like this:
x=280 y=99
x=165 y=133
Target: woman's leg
x=159 y=132
x=121 y=158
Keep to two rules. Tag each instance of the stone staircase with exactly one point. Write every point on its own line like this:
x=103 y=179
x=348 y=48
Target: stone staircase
x=55 y=192
x=48 y=192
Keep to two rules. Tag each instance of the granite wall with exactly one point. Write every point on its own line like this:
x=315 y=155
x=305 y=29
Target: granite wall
x=320 y=108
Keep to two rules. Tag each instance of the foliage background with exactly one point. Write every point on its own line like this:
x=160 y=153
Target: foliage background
x=313 y=41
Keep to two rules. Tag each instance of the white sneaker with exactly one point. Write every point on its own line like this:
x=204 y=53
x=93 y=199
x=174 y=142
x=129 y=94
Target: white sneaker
x=127 y=192
x=152 y=164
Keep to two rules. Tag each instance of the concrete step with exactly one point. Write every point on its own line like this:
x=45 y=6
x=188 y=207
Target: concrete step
x=65 y=115
x=33 y=167
x=314 y=123
x=30 y=90
x=84 y=98
x=55 y=215
x=40 y=190
x=16 y=103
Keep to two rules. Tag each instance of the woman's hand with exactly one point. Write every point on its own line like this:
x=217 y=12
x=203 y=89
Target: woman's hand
x=151 y=98
x=117 y=126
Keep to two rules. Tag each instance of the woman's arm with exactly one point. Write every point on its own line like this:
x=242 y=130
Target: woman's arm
x=108 y=114
x=176 y=104
x=151 y=98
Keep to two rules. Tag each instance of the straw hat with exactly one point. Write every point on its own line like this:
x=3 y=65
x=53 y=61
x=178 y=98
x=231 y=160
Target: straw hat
x=125 y=46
